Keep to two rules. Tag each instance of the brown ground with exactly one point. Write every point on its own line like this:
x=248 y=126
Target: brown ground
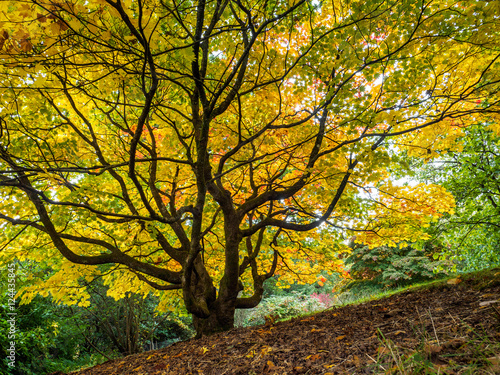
x=450 y=329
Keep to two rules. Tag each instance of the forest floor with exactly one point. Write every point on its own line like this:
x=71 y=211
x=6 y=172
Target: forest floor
x=450 y=327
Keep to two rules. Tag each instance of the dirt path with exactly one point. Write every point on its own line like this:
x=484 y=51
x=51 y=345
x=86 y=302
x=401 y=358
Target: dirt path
x=451 y=329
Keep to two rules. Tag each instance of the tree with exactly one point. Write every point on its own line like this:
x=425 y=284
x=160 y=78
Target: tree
x=203 y=147
x=473 y=177
x=127 y=326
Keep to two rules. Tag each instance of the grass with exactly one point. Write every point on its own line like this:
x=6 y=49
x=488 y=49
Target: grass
x=464 y=351
x=461 y=355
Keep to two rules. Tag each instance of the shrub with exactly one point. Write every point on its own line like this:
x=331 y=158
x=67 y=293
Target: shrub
x=276 y=308
x=325 y=299
x=395 y=266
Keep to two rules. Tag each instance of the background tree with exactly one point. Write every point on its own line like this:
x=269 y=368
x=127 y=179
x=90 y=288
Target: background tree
x=473 y=177
x=127 y=326
x=202 y=147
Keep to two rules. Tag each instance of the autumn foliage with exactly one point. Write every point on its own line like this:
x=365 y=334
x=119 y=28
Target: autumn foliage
x=195 y=149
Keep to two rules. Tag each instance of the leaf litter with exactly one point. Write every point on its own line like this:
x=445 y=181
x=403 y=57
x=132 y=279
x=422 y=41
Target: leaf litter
x=448 y=328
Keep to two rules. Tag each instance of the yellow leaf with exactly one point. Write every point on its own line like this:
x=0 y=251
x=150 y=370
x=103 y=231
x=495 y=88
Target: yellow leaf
x=454 y=281
x=270 y=364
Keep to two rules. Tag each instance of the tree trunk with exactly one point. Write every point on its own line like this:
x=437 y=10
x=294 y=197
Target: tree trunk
x=221 y=319
x=220 y=304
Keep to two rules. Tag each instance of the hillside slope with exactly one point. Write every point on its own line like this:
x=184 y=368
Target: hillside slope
x=448 y=328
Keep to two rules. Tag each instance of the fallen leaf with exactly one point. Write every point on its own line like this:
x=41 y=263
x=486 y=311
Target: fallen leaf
x=356 y=360
x=487 y=303
x=340 y=338
x=487 y=295
x=307 y=319
x=271 y=367
x=397 y=333
x=454 y=281
x=266 y=350
x=432 y=349
x=313 y=357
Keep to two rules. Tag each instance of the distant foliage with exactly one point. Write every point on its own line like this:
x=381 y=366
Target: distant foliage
x=472 y=176
x=325 y=299
x=474 y=248
x=276 y=308
x=395 y=266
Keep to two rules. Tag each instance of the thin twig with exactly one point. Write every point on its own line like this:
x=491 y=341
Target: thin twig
x=454 y=320
x=432 y=321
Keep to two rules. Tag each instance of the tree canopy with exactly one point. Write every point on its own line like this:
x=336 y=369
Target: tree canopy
x=194 y=149
x=472 y=176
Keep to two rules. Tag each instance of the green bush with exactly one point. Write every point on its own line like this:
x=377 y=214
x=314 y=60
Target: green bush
x=389 y=267
x=46 y=340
